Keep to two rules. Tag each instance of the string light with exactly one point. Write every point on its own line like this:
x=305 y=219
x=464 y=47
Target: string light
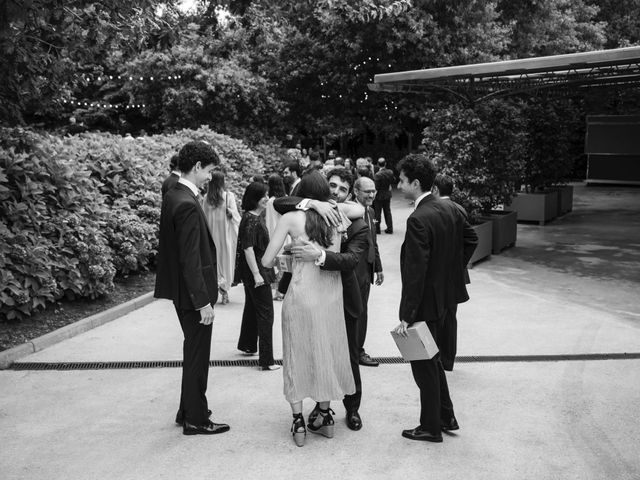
x=103 y=78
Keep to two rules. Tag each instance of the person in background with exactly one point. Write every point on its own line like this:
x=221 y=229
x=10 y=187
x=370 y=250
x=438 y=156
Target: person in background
x=369 y=265
x=443 y=188
x=223 y=220
x=385 y=179
x=276 y=190
x=292 y=170
x=173 y=177
x=256 y=330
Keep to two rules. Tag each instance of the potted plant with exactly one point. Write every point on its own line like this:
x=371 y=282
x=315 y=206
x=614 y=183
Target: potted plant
x=481 y=149
x=547 y=163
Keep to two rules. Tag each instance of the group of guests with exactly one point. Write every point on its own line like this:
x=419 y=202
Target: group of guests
x=331 y=240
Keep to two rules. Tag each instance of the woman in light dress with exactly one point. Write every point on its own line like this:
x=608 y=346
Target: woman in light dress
x=223 y=220
x=315 y=353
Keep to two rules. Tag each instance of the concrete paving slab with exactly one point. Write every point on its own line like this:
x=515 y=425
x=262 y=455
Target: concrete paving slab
x=559 y=420
x=547 y=420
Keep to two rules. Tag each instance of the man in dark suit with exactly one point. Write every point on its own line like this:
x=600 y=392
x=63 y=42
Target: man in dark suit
x=384 y=179
x=173 y=177
x=186 y=274
x=369 y=265
x=353 y=250
x=292 y=170
x=438 y=244
x=443 y=188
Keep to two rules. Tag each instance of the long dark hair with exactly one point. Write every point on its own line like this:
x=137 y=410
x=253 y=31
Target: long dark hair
x=276 y=186
x=252 y=195
x=215 y=189
x=316 y=187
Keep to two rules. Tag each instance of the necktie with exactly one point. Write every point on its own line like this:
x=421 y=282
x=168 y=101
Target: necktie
x=371 y=254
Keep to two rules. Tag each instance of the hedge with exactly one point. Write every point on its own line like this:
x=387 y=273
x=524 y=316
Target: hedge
x=78 y=211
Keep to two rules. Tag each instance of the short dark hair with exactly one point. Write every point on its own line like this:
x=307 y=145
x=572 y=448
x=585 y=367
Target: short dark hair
x=343 y=173
x=173 y=162
x=294 y=166
x=313 y=155
x=365 y=172
x=254 y=192
x=444 y=184
x=194 y=152
x=417 y=166
x=276 y=186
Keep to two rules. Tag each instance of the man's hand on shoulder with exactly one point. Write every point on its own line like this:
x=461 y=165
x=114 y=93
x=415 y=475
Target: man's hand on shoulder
x=327 y=210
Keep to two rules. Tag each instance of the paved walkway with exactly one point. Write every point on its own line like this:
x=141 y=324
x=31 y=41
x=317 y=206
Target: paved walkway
x=568 y=288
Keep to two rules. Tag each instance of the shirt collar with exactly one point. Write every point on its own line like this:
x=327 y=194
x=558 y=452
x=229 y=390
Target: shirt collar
x=176 y=172
x=420 y=198
x=189 y=184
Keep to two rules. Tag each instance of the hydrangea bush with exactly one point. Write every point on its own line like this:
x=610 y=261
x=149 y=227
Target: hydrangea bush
x=78 y=211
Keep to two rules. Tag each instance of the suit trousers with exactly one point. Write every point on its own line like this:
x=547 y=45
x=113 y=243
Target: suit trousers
x=365 y=289
x=196 y=350
x=257 y=323
x=449 y=338
x=352 y=402
x=435 y=401
x=383 y=205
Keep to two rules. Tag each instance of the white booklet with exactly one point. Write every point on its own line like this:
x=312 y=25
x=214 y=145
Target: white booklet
x=418 y=344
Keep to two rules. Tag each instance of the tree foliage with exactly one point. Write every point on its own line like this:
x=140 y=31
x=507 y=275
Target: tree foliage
x=46 y=46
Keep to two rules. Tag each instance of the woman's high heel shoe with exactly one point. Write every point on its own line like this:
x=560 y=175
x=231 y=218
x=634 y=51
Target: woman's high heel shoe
x=298 y=430
x=323 y=424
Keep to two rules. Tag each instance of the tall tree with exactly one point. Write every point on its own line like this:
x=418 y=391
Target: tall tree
x=46 y=46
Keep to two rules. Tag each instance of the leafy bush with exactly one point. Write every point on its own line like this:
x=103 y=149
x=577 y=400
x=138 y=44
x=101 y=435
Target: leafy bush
x=549 y=160
x=77 y=211
x=481 y=148
x=273 y=157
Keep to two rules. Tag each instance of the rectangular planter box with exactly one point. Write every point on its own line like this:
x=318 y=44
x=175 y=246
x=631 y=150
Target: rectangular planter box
x=536 y=207
x=565 y=198
x=485 y=234
x=505 y=229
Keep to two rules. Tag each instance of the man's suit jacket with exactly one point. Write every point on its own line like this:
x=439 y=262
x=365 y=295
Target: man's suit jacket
x=352 y=250
x=437 y=246
x=187 y=268
x=366 y=269
x=169 y=182
x=384 y=179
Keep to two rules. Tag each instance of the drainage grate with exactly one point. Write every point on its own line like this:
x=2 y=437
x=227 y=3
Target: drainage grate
x=254 y=363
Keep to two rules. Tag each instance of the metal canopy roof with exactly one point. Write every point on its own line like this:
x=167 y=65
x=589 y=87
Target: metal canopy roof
x=477 y=82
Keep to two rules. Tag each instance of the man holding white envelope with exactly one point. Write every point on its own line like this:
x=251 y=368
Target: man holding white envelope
x=438 y=244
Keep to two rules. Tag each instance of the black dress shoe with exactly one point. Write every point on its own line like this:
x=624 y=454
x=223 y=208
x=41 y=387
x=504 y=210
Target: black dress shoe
x=449 y=424
x=388 y=230
x=367 y=361
x=180 y=417
x=354 y=422
x=208 y=428
x=418 y=434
